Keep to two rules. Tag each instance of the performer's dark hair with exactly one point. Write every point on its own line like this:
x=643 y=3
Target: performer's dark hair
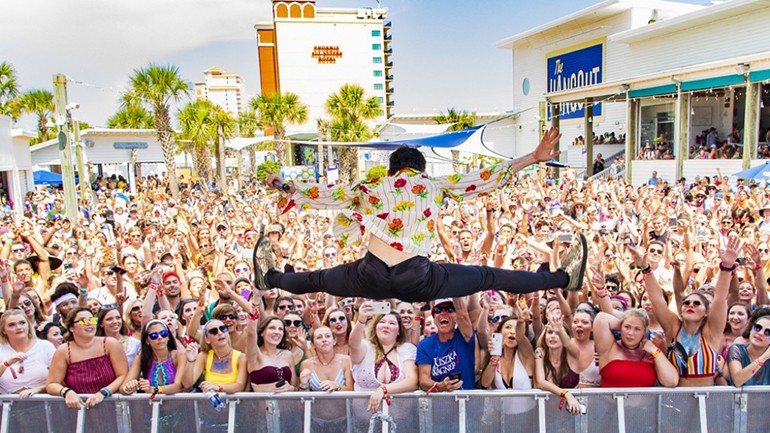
x=406 y=157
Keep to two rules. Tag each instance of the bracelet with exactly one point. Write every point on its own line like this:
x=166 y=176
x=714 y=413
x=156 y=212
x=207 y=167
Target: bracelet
x=105 y=392
x=64 y=392
x=654 y=355
x=726 y=269
x=254 y=316
x=304 y=386
x=6 y=364
x=494 y=360
x=432 y=388
x=647 y=270
x=757 y=267
x=563 y=393
x=220 y=388
x=759 y=363
x=600 y=295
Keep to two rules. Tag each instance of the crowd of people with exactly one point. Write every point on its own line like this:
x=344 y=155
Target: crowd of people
x=148 y=294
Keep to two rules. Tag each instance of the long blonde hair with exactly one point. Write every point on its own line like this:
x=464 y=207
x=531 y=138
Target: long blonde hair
x=4 y=319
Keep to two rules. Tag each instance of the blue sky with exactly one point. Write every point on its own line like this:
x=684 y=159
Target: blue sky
x=444 y=53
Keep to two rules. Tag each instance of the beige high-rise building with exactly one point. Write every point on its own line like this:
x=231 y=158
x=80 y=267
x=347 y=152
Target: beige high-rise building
x=225 y=89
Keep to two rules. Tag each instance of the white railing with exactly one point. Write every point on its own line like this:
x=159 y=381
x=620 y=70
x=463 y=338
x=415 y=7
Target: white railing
x=715 y=409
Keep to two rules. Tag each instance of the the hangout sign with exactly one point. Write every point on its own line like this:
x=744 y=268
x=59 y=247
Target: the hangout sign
x=572 y=68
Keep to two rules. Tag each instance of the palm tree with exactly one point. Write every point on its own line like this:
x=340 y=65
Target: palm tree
x=195 y=120
x=348 y=108
x=248 y=124
x=40 y=103
x=155 y=87
x=277 y=111
x=225 y=127
x=132 y=116
x=9 y=90
x=462 y=120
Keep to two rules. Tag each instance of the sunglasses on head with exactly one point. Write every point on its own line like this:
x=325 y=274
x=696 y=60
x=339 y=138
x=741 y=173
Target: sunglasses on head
x=496 y=319
x=294 y=323
x=214 y=331
x=87 y=321
x=289 y=307
x=758 y=328
x=340 y=319
x=155 y=335
x=447 y=309
x=231 y=316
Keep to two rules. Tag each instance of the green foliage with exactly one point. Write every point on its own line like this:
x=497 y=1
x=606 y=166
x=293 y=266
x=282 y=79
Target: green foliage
x=9 y=90
x=348 y=108
x=266 y=168
x=377 y=171
x=132 y=116
x=461 y=119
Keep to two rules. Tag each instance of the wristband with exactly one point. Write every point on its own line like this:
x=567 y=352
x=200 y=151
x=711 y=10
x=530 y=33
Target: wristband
x=647 y=270
x=6 y=364
x=757 y=267
x=220 y=388
x=600 y=295
x=726 y=269
x=759 y=363
x=64 y=392
x=654 y=355
x=494 y=360
x=105 y=392
x=254 y=316
x=563 y=393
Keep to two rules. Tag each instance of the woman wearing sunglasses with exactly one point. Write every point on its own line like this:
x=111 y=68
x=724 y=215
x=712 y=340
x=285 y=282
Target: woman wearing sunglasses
x=339 y=322
x=110 y=324
x=695 y=335
x=132 y=317
x=87 y=364
x=296 y=337
x=747 y=361
x=161 y=368
x=24 y=360
x=223 y=368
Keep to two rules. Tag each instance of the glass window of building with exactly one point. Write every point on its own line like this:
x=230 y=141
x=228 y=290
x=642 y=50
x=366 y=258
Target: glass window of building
x=377 y=73
x=377 y=59
x=377 y=86
x=376 y=46
x=657 y=129
x=376 y=33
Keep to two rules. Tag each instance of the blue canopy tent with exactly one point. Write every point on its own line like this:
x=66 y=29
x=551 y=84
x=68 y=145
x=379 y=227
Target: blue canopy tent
x=44 y=177
x=760 y=172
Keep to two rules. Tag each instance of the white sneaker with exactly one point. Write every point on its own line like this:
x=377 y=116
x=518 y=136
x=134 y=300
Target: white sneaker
x=573 y=262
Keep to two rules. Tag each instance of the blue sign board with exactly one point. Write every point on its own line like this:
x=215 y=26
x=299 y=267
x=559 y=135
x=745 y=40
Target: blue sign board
x=130 y=145
x=573 y=69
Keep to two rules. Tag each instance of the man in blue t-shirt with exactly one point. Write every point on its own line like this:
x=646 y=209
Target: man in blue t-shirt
x=451 y=351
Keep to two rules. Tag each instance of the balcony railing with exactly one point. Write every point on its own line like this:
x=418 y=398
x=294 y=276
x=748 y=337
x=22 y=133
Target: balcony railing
x=715 y=409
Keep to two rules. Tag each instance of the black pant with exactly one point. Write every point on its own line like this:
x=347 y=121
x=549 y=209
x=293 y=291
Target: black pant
x=414 y=280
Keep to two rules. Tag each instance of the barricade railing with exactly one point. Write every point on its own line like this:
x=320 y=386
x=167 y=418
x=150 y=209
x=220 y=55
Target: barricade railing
x=643 y=410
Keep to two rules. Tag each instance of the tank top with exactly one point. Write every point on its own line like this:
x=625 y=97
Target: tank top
x=622 y=373
x=163 y=373
x=89 y=375
x=270 y=374
x=693 y=355
x=222 y=378
x=520 y=379
x=315 y=383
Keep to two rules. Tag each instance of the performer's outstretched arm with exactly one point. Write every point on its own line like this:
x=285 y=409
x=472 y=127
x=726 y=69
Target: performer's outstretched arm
x=314 y=195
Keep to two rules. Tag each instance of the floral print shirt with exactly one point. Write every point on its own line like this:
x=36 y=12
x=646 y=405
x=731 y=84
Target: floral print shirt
x=402 y=210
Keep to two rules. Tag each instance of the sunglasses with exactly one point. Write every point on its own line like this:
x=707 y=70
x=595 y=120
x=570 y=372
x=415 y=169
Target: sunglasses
x=286 y=307
x=447 y=309
x=655 y=251
x=214 y=331
x=496 y=319
x=87 y=321
x=694 y=303
x=763 y=250
x=346 y=301
x=611 y=287
x=231 y=316
x=758 y=328
x=294 y=323
x=26 y=303
x=17 y=249
x=109 y=273
x=330 y=255
x=155 y=335
x=340 y=319
x=243 y=270
x=71 y=253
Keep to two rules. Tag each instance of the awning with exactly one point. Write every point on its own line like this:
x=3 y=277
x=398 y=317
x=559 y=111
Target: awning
x=713 y=82
x=762 y=75
x=239 y=143
x=653 y=91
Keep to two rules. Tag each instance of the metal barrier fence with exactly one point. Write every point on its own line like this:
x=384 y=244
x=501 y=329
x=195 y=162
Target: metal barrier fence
x=715 y=409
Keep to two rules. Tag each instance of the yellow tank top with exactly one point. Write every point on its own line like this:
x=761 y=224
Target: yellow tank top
x=222 y=378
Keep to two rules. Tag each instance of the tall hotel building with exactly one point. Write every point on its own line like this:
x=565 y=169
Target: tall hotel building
x=312 y=52
x=225 y=89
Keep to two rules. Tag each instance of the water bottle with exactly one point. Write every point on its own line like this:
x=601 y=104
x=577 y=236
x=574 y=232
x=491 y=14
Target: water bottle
x=215 y=400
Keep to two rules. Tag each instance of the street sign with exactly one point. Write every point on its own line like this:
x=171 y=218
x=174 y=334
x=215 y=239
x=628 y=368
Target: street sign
x=130 y=145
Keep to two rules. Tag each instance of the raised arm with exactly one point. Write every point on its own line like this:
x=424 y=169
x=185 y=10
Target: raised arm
x=718 y=312
x=356 y=338
x=667 y=318
x=472 y=184
x=314 y=195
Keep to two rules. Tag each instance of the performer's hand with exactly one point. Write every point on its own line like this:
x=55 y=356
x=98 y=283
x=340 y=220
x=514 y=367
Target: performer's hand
x=544 y=150
x=271 y=180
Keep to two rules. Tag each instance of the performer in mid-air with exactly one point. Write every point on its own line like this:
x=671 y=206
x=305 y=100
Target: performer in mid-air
x=400 y=212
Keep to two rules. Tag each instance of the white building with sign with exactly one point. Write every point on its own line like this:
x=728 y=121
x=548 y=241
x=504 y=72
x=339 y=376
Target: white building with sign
x=666 y=73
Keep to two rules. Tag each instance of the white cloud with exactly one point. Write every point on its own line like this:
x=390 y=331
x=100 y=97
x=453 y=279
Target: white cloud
x=101 y=41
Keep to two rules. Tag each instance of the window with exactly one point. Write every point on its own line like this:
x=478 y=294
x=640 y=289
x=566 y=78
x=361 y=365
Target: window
x=380 y=99
x=378 y=86
x=376 y=33
x=377 y=59
x=377 y=73
x=376 y=46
